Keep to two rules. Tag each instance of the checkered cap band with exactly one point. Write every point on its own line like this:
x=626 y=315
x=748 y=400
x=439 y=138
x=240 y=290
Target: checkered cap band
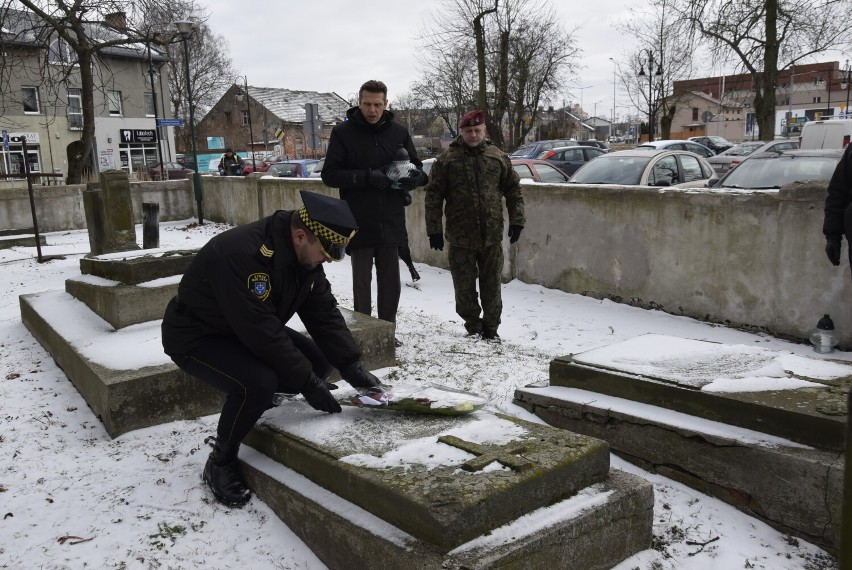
x=321 y=231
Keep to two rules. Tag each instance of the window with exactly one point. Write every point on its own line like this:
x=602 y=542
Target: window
x=114 y=102
x=75 y=110
x=227 y=117
x=695 y=113
x=691 y=169
x=29 y=95
x=244 y=120
x=149 y=105
x=523 y=170
x=817 y=99
x=60 y=52
x=664 y=172
x=550 y=175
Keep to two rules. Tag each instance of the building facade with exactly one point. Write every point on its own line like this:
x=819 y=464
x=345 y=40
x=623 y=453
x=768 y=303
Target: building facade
x=41 y=102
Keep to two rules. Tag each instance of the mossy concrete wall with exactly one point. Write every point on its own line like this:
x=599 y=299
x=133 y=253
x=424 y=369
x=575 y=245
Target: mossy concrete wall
x=750 y=260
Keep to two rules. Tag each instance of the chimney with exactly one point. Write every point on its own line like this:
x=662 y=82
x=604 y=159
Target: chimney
x=116 y=21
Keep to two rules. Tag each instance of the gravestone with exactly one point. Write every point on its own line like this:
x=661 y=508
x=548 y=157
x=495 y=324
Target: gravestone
x=109 y=214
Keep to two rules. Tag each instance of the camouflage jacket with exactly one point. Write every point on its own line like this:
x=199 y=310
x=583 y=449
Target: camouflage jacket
x=469 y=185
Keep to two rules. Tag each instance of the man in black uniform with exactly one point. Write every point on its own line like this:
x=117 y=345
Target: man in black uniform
x=227 y=327
x=838 y=214
x=359 y=152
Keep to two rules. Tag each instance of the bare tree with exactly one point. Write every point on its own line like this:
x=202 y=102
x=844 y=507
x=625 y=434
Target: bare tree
x=659 y=31
x=767 y=36
x=521 y=47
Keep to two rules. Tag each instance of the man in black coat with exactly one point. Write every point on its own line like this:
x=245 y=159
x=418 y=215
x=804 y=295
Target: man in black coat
x=226 y=326
x=838 y=214
x=359 y=152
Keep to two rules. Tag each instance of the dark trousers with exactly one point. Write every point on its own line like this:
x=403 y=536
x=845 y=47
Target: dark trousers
x=388 y=285
x=249 y=383
x=468 y=265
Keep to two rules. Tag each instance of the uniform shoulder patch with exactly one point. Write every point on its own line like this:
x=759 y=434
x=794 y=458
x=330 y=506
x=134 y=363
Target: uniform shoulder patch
x=258 y=283
x=265 y=251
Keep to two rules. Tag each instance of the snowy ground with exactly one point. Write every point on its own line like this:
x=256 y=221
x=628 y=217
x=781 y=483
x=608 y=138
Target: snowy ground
x=71 y=497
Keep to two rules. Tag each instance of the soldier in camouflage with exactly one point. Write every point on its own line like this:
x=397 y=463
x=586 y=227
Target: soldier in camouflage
x=468 y=183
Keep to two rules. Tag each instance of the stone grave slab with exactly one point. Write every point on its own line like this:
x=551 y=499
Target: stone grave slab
x=20 y=240
x=123 y=305
x=436 y=491
x=134 y=267
x=790 y=396
x=127 y=389
x=795 y=488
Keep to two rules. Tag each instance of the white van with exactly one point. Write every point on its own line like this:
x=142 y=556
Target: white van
x=831 y=133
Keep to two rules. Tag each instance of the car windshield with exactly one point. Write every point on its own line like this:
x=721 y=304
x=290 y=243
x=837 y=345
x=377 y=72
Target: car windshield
x=762 y=173
x=612 y=170
x=523 y=150
x=744 y=149
x=283 y=169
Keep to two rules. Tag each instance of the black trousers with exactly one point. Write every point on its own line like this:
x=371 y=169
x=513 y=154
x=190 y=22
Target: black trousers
x=249 y=383
x=388 y=284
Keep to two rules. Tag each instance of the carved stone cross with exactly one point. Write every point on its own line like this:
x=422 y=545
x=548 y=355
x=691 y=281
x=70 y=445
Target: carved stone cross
x=506 y=455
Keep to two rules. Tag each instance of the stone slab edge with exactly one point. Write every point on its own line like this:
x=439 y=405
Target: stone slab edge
x=795 y=490
x=823 y=432
x=345 y=537
x=124 y=400
x=24 y=241
x=136 y=270
x=123 y=305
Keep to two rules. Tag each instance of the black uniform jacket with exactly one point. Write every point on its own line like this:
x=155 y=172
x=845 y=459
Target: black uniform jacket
x=247 y=283
x=354 y=146
x=838 y=213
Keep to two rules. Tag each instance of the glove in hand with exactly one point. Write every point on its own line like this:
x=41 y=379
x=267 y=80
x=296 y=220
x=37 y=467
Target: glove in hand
x=436 y=241
x=832 y=249
x=317 y=394
x=514 y=232
x=378 y=179
x=413 y=180
x=360 y=377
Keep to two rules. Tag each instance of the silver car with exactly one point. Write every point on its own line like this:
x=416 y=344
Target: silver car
x=772 y=170
x=646 y=167
x=727 y=160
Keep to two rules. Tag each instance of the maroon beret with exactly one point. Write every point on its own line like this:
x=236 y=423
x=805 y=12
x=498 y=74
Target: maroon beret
x=472 y=118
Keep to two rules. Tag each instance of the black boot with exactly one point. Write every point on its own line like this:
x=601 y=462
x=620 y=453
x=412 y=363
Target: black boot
x=222 y=475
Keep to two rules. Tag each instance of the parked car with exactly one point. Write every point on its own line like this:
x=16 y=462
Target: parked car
x=569 y=158
x=832 y=133
x=714 y=143
x=772 y=170
x=174 y=171
x=722 y=163
x=646 y=167
x=591 y=142
x=261 y=165
x=292 y=168
x=668 y=144
x=538 y=171
x=186 y=161
x=532 y=150
x=316 y=172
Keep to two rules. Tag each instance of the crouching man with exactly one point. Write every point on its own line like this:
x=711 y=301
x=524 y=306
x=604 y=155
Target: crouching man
x=226 y=326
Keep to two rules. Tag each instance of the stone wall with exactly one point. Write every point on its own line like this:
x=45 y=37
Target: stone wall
x=750 y=260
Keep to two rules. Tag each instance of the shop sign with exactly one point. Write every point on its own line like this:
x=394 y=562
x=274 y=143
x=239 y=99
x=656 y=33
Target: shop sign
x=138 y=135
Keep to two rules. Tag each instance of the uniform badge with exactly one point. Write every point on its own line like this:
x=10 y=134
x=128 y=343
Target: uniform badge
x=258 y=283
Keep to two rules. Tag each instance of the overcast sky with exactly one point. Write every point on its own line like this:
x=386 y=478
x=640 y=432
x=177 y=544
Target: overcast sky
x=336 y=45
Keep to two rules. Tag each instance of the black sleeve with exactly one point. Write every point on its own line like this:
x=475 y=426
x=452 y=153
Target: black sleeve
x=327 y=327
x=335 y=171
x=839 y=193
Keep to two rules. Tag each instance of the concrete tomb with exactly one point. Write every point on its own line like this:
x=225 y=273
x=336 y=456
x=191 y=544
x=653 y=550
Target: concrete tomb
x=378 y=489
x=762 y=430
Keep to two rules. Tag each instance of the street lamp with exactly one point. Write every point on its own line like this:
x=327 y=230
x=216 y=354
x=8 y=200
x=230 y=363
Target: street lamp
x=612 y=121
x=248 y=112
x=845 y=85
x=651 y=75
x=185 y=28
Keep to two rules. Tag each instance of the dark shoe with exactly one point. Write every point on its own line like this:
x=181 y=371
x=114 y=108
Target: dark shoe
x=414 y=275
x=492 y=337
x=222 y=475
x=397 y=343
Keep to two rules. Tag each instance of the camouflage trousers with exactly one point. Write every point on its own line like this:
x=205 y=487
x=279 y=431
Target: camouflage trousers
x=468 y=265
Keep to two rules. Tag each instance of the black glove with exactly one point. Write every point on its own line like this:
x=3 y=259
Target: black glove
x=317 y=394
x=406 y=197
x=413 y=180
x=360 y=377
x=378 y=179
x=832 y=249
x=436 y=241
x=514 y=232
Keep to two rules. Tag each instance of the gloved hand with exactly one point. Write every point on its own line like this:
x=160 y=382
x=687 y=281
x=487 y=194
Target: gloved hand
x=514 y=232
x=360 y=377
x=317 y=394
x=414 y=275
x=378 y=179
x=832 y=249
x=415 y=179
x=436 y=241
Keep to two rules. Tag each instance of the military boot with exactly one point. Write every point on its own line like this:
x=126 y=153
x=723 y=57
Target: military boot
x=222 y=475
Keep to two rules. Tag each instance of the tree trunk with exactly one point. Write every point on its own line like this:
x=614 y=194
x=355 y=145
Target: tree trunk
x=764 y=86
x=79 y=166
